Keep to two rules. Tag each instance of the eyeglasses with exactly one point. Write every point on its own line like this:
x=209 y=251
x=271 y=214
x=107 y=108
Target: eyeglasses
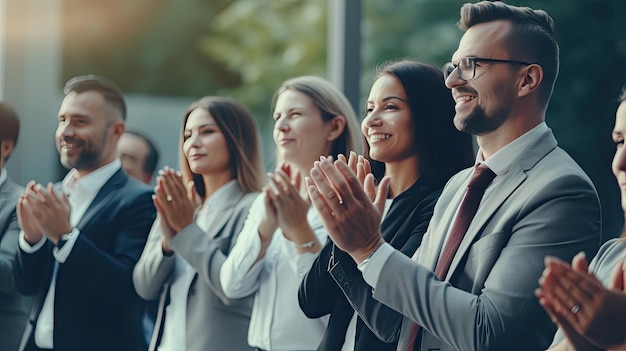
x=467 y=66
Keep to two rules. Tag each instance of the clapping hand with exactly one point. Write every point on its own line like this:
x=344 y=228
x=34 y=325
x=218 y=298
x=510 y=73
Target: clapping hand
x=175 y=202
x=345 y=205
x=589 y=314
x=43 y=211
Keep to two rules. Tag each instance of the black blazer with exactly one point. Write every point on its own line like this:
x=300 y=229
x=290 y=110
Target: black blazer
x=96 y=307
x=334 y=273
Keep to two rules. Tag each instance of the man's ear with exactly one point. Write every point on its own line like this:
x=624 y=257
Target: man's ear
x=337 y=126
x=6 y=147
x=118 y=128
x=531 y=79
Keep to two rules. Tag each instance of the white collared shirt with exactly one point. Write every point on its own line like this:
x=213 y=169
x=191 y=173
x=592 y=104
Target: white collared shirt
x=3 y=175
x=174 y=336
x=500 y=163
x=81 y=193
x=277 y=323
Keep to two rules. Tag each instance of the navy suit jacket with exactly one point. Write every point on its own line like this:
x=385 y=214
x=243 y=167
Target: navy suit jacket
x=96 y=306
x=13 y=306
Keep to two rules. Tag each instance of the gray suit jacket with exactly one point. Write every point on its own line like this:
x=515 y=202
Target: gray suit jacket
x=214 y=322
x=544 y=205
x=14 y=307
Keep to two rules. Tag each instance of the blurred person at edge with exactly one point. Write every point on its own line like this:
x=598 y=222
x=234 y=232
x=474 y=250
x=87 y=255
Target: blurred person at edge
x=14 y=306
x=283 y=234
x=81 y=238
x=201 y=210
x=588 y=303
x=411 y=137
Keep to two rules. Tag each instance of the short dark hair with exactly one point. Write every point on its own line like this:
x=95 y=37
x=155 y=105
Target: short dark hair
x=442 y=149
x=111 y=92
x=9 y=123
x=152 y=158
x=532 y=37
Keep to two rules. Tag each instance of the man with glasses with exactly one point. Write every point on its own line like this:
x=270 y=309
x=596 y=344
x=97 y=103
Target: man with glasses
x=470 y=286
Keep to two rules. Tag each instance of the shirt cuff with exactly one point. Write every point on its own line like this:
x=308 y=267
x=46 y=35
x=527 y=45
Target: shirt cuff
x=25 y=245
x=372 y=266
x=61 y=254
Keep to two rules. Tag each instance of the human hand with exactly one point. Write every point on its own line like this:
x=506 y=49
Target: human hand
x=360 y=166
x=50 y=211
x=291 y=208
x=175 y=202
x=25 y=218
x=350 y=217
x=579 y=303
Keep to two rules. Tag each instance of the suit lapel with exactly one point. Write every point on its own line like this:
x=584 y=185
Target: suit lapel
x=225 y=210
x=106 y=193
x=514 y=177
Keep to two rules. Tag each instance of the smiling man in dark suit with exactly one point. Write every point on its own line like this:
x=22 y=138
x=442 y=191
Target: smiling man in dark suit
x=13 y=306
x=80 y=241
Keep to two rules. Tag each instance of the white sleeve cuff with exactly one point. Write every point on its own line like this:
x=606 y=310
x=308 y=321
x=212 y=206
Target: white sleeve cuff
x=61 y=254
x=372 y=266
x=26 y=247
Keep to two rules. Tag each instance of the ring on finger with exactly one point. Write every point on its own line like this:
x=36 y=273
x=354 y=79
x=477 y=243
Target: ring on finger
x=169 y=198
x=575 y=309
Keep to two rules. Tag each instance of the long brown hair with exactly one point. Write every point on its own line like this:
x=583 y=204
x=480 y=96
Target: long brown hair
x=242 y=140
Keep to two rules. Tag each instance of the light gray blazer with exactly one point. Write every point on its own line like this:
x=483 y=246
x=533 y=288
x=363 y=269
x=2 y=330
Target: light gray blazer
x=214 y=322
x=544 y=205
x=14 y=308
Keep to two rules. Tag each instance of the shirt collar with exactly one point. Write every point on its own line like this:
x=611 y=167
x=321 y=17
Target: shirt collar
x=503 y=159
x=3 y=176
x=92 y=182
x=220 y=198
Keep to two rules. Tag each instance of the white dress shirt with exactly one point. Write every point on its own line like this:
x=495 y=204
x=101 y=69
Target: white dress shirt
x=3 y=175
x=277 y=323
x=499 y=163
x=81 y=193
x=174 y=336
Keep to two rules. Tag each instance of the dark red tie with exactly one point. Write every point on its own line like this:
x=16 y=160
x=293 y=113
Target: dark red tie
x=481 y=178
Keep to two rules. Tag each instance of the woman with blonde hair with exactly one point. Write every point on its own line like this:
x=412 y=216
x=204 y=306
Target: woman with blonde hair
x=201 y=210
x=283 y=232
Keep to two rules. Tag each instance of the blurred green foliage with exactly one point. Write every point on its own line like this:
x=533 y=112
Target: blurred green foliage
x=246 y=48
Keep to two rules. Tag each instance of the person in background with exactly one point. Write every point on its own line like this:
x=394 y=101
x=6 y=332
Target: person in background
x=200 y=214
x=470 y=285
x=139 y=155
x=81 y=239
x=282 y=233
x=411 y=137
x=588 y=303
x=13 y=306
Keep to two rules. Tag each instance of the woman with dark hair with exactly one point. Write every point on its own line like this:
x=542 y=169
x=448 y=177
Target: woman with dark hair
x=409 y=129
x=588 y=303
x=283 y=233
x=201 y=210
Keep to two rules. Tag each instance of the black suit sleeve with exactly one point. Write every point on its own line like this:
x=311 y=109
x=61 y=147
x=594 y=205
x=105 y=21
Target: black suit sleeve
x=109 y=274
x=318 y=292
x=382 y=320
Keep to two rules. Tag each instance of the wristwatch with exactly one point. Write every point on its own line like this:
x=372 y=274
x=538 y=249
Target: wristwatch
x=64 y=238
